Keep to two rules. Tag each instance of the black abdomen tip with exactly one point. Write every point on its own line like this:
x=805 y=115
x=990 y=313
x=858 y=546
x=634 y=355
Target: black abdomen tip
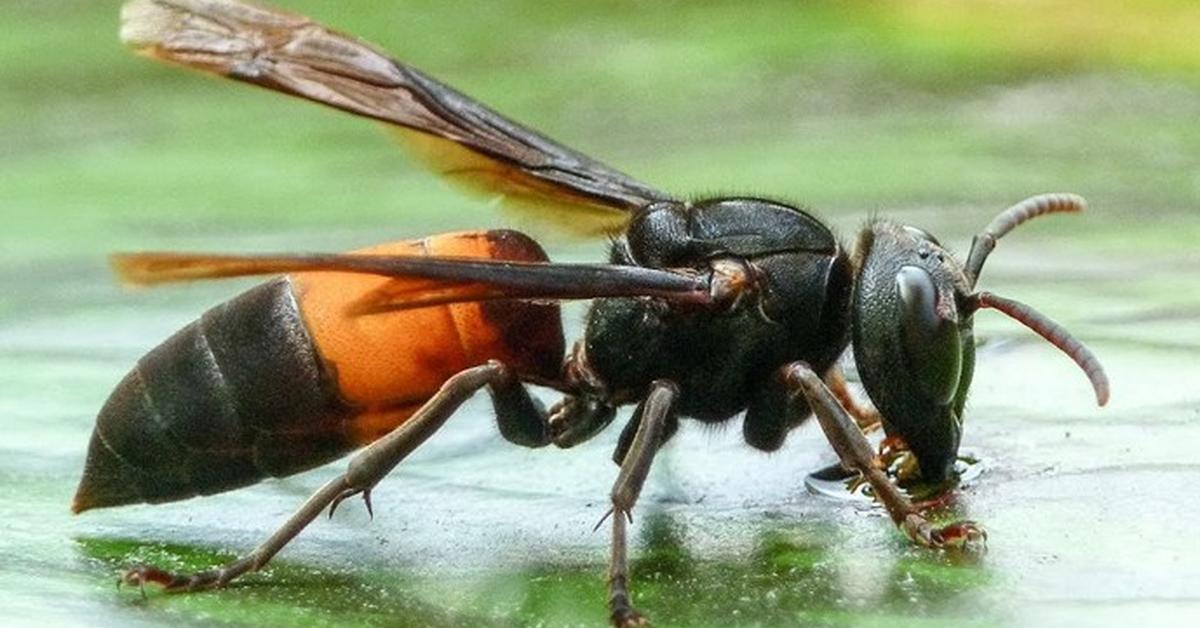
x=130 y=458
x=107 y=480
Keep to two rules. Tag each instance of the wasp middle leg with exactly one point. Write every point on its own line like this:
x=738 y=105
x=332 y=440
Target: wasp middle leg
x=653 y=417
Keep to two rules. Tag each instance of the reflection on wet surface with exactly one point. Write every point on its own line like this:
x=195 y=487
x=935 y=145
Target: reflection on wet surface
x=834 y=483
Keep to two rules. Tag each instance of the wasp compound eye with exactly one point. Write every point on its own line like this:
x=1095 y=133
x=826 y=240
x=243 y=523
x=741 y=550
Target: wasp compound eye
x=932 y=344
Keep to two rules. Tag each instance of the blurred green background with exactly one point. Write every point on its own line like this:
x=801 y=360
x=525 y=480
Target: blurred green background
x=933 y=112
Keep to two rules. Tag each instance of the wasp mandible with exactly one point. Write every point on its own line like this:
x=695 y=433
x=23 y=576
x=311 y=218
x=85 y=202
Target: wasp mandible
x=706 y=309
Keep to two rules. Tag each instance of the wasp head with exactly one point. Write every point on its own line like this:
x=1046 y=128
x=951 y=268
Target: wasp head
x=913 y=310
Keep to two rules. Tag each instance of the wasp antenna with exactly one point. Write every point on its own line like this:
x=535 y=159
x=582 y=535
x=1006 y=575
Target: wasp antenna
x=1054 y=333
x=1009 y=219
x=1033 y=207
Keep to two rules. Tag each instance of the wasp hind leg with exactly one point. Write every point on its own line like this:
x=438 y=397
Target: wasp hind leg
x=521 y=421
x=857 y=454
x=654 y=418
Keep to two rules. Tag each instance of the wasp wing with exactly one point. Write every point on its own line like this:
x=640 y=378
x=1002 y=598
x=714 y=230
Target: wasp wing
x=421 y=281
x=462 y=138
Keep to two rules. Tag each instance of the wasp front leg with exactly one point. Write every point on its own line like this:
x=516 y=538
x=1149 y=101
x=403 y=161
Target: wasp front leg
x=865 y=414
x=520 y=418
x=857 y=454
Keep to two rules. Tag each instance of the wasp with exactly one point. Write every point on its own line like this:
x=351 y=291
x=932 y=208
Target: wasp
x=705 y=310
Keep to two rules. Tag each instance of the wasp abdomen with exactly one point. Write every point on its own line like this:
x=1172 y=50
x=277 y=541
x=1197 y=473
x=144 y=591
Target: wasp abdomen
x=232 y=398
x=287 y=377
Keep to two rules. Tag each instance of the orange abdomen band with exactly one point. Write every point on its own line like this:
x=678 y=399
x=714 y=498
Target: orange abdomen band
x=387 y=364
